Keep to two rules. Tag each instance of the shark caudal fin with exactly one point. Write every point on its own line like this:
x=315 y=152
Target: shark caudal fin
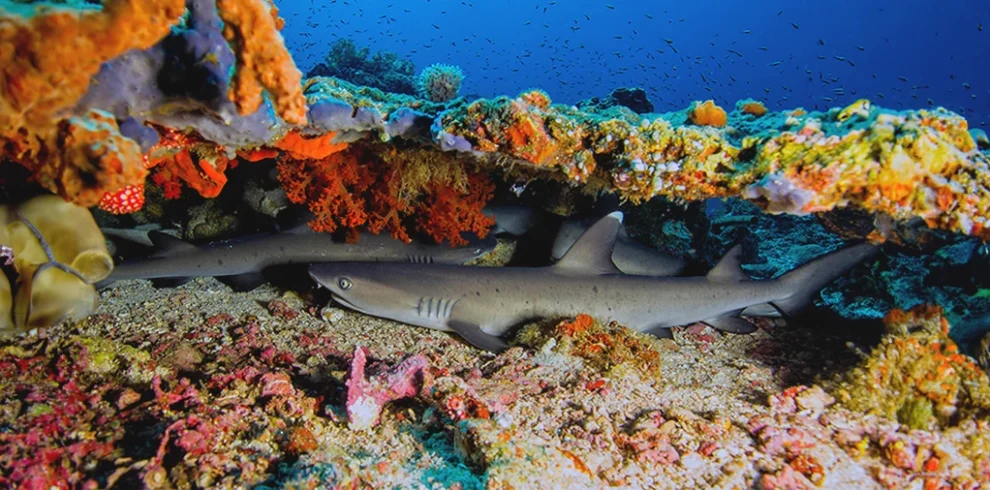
x=806 y=281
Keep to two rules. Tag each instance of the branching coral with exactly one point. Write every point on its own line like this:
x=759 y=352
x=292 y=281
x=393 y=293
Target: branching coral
x=439 y=82
x=262 y=60
x=358 y=187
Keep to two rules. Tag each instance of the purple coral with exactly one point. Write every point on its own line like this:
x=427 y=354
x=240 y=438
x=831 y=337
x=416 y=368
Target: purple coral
x=367 y=397
x=439 y=82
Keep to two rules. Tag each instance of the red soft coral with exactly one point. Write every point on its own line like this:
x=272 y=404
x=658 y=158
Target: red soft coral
x=332 y=188
x=447 y=211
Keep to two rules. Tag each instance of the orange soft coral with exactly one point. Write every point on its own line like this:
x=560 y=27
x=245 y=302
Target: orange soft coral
x=358 y=187
x=708 y=114
x=299 y=147
x=262 y=60
x=332 y=188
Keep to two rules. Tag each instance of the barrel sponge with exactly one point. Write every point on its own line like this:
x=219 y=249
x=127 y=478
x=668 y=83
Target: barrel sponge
x=439 y=82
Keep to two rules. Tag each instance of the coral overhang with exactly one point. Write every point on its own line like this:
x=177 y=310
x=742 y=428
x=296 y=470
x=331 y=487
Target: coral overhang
x=909 y=164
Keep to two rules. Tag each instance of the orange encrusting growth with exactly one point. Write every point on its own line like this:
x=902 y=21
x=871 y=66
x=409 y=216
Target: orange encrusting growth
x=263 y=62
x=92 y=158
x=299 y=147
x=754 y=108
x=708 y=114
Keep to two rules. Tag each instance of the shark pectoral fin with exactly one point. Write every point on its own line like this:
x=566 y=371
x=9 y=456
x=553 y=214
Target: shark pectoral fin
x=169 y=282
x=592 y=252
x=660 y=332
x=768 y=310
x=243 y=282
x=472 y=333
x=731 y=324
x=729 y=268
x=166 y=244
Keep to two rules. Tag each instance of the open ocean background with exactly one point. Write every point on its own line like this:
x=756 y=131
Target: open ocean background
x=901 y=55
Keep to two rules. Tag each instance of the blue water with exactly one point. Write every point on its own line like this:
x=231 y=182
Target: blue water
x=907 y=54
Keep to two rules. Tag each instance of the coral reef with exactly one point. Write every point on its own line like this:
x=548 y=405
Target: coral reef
x=439 y=82
x=634 y=99
x=917 y=375
x=383 y=70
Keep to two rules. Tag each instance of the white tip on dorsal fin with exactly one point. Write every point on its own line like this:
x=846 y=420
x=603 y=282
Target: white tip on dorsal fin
x=729 y=269
x=592 y=252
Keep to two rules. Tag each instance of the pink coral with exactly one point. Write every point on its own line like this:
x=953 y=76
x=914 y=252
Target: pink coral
x=367 y=397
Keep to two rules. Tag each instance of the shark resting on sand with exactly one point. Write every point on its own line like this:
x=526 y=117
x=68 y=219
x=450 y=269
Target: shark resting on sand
x=482 y=304
x=239 y=262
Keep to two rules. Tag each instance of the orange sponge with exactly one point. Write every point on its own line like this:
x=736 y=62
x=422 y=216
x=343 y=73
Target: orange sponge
x=708 y=114
x=48 y=59
x=262 y=60
x=753 y=107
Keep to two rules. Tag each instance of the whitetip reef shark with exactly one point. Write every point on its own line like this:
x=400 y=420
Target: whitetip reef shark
x=239 y=262
x=481 y=304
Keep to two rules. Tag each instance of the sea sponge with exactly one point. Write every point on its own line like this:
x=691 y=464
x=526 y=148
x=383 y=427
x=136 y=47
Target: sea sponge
x=439 y=82
x=708 y=114
x=59 y=253
x=752 y=107
x=263 y=62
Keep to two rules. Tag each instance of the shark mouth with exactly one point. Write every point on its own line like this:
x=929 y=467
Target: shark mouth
x=347 y=304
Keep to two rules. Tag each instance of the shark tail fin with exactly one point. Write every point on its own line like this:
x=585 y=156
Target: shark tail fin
x=806 y=281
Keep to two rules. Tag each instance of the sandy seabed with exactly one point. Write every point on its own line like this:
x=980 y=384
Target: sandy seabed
x=200 y=386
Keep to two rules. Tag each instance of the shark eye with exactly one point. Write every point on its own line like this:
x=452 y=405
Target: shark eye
x=344 y=283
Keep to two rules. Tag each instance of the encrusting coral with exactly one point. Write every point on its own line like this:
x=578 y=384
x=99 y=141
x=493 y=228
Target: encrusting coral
x=58 y=254
x=917 y=375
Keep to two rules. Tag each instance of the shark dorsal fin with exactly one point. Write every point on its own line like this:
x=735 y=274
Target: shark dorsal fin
x=166 y=244
x=729 y=269
x=592 y=252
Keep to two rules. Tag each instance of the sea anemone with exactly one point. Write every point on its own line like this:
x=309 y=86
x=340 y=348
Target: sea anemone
x=439 y=82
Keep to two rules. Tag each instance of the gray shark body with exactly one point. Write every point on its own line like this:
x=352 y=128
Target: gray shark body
x=482 y=304
x=248 y=257
x=629 y=255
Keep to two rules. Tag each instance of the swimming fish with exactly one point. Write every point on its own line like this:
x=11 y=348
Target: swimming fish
x=482 y=304
x=239 y=262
